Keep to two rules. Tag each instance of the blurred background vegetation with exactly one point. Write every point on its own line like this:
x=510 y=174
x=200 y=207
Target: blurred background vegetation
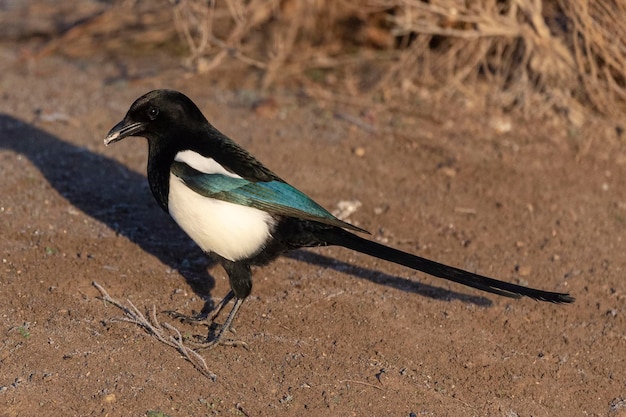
x=566 y=57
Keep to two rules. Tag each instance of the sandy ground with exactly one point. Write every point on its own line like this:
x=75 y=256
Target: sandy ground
x=329 y=332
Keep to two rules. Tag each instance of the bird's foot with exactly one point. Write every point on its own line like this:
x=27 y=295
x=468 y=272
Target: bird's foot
x=201 y=319
x=219 y=339
x=210 y=344
x=217 y=334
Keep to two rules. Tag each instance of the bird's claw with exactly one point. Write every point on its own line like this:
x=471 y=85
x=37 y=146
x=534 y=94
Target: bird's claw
x=220 y=339
x=197 y=319
x=223 y=342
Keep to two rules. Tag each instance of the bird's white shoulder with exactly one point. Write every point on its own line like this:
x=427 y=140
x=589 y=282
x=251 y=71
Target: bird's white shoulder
x=203 y=163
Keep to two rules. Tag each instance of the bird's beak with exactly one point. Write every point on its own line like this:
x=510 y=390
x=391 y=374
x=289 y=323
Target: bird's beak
x=122 y=130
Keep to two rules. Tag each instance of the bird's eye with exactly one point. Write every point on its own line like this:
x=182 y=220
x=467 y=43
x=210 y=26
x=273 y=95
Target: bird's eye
x=153 y=112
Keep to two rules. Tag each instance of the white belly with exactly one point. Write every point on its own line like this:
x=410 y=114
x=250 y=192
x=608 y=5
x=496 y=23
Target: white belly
x=232 y=231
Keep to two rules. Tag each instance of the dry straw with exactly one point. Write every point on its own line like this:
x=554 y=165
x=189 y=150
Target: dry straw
x=568 y=55
x=568 y=52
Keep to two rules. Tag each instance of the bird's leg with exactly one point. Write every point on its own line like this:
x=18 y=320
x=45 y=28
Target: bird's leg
x=240 y=279
x=209 y=321
x=206 y=319
x=219 y=338
x=218 y=308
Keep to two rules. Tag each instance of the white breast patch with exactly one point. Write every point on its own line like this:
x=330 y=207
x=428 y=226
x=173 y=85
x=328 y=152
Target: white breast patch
x=231 y=230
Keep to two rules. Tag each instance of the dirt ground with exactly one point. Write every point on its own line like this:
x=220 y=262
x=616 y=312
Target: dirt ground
x=329 y=332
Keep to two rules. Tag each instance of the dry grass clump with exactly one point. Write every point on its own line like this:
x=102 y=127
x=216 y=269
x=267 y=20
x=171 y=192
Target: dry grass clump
x=566 y=55
x=567 y=51
x=596 y=36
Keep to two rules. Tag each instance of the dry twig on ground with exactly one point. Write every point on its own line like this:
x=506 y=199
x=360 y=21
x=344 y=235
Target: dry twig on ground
x=159 y=330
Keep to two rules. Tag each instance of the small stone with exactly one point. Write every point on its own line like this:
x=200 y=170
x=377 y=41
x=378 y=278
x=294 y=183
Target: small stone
x=449 y=172
x=109 y=399
x=500 y=124
x=359 y=151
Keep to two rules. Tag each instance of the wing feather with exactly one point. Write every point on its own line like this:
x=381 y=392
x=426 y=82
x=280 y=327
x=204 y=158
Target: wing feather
x=274 y=197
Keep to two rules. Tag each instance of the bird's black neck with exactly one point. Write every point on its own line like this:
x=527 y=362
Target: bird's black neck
x=159 y=163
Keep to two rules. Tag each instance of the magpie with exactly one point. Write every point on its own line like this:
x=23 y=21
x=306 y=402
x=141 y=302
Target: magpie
x=243 y=214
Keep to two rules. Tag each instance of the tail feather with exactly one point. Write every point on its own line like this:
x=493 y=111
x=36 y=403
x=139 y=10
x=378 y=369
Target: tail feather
x=348 y=240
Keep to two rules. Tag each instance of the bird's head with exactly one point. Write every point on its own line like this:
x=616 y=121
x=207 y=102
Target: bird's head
x=156 y=114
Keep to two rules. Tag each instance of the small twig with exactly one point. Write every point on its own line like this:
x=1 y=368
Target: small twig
x=237 y=54
x=152 y=326
x=465 y=210
x=360 y=383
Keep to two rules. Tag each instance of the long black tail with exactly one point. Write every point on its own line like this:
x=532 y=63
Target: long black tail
x=348 y=240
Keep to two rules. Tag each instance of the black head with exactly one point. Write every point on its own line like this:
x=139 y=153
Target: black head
x=158 y=114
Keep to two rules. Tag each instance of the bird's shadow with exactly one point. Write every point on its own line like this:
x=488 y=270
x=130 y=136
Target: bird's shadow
x=111 y=193
x=381 y=278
